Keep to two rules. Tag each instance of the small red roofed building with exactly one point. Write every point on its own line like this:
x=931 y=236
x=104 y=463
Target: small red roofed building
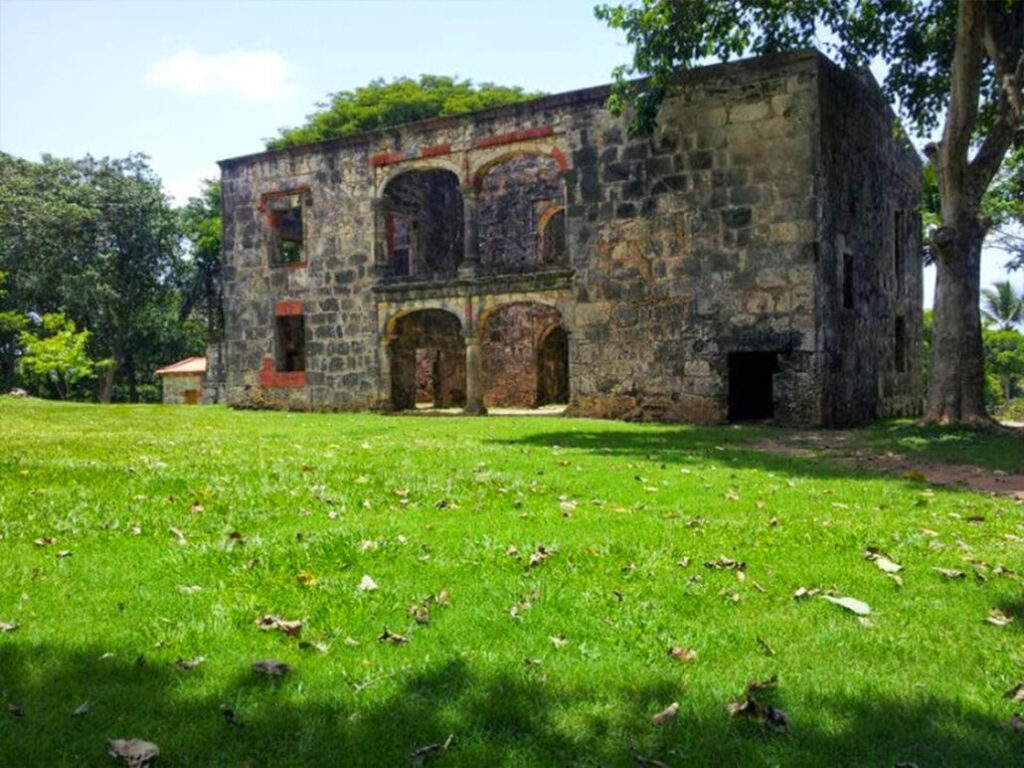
x=183 y=380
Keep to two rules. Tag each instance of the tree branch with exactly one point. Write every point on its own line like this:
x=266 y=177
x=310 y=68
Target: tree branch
x=1003 y=45
x=965 y=84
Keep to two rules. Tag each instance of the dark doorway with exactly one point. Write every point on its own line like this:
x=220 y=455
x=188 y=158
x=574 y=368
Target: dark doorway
x=750 y=385
x=553 y=367
x=428 y=361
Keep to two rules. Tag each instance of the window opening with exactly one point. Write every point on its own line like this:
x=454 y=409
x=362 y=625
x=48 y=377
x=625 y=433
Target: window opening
x=288 y=225
x=898 y=228
x=291 y=343
x=900 y=345
x=848 y=280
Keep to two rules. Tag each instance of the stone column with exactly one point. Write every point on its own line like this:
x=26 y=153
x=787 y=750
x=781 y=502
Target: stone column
x=385 y=398
x=470 y=266
x=381 y=264
x=474 y=379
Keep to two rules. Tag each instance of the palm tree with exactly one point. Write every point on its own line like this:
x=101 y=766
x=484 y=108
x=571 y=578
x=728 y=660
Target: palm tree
x=1002 y=305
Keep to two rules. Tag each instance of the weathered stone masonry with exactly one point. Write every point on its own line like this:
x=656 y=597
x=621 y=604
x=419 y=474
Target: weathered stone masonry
x=759 y=255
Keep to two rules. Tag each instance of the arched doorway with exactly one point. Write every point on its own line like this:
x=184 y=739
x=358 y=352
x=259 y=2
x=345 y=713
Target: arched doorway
x=428 y=361
x=522 y=363
x=553 y=367
x=423 y=224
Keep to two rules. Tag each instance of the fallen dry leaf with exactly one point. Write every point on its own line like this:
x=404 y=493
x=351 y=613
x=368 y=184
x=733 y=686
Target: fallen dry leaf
x=44 y=541
x=179 y=535
x=189 y=664
x=768 y=650
x=136 y=753
x=998 y=618
x=196 y=508
x=64 y=553
x=750 y=707
x=950 y=573
x=804 y=592
x=679 y=653
x=82 y=709
x=269 y=622
x=271 y=667
x=559 y=642
x=1015 y=723
x=443 y=599
x=305 y=578
x=8 y=626
x=310 y=645
x=230 y=717
x=1016 y=693
x=887 y=566
x=639 y=761
x=422 y=754
x=539 y=555
x=850 y=603
x=189 y=589
x=366 y=584
x=666 y=715
x=419 y=614
x=726 y=563
x=387 y=636
x=15 y=710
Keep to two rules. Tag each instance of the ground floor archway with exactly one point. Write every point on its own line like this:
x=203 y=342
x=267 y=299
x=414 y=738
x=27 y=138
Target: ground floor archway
x=428 y=361
x=524 y=356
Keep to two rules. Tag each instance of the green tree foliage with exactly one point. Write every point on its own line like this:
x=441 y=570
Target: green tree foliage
x=1004 y=361
x=97 y=240
x=55 y=355
x=202 y=283
x=382 y=104
x=12 y=323
x=958 y=64
x=1002 y=305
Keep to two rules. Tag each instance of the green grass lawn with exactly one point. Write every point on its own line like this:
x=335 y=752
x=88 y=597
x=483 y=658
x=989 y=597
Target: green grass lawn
x=285 y=513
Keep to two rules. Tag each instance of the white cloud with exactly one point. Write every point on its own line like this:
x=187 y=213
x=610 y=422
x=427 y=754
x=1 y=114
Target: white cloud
x=248 y=75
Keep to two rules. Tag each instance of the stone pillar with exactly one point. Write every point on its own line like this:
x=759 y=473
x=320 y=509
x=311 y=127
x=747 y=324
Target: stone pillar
x=470 y=266
x=474 y=379
x=385 y=398
x=381 y=263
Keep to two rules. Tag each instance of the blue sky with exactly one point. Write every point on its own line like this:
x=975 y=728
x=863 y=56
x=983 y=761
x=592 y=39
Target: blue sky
x=194 y=81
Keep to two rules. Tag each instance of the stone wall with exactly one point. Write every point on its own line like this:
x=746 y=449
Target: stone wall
x=719 y=234
x=175 y=385
x=869 y=203
x=697 y=242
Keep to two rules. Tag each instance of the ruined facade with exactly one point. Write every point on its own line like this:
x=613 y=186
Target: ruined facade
x=757 y=257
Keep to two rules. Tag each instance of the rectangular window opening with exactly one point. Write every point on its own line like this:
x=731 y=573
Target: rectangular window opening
x=288 y=226
x=400 y=237
x=848 y=293
x=900 y=345
x=898 y=249
x=290 y=354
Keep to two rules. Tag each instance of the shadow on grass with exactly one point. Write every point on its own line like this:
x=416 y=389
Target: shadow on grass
x=511 y=718
x=698 y=445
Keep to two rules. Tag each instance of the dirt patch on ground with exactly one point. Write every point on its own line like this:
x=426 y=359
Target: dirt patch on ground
x=842 y=447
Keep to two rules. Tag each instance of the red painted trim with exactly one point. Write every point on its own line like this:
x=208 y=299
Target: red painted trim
x=266 y=196
x=437 y=149
x=509 y=138
x=288 y=308
x=560 y=158
x=280 y=379
x=386 y=158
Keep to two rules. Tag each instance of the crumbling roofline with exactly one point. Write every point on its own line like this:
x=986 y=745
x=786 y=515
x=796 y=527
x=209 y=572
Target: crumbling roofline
x=598 y=93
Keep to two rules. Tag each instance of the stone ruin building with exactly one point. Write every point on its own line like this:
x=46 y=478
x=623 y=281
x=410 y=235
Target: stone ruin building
x=757 y=257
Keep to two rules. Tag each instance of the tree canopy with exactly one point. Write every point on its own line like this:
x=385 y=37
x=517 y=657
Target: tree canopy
x=958 y=64
x=96 y=240
x=383 y=104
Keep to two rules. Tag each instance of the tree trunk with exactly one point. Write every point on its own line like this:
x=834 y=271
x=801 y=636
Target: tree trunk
x=107 y=388
x=956 y=392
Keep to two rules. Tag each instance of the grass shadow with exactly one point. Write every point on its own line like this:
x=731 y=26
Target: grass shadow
x=513 y=717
